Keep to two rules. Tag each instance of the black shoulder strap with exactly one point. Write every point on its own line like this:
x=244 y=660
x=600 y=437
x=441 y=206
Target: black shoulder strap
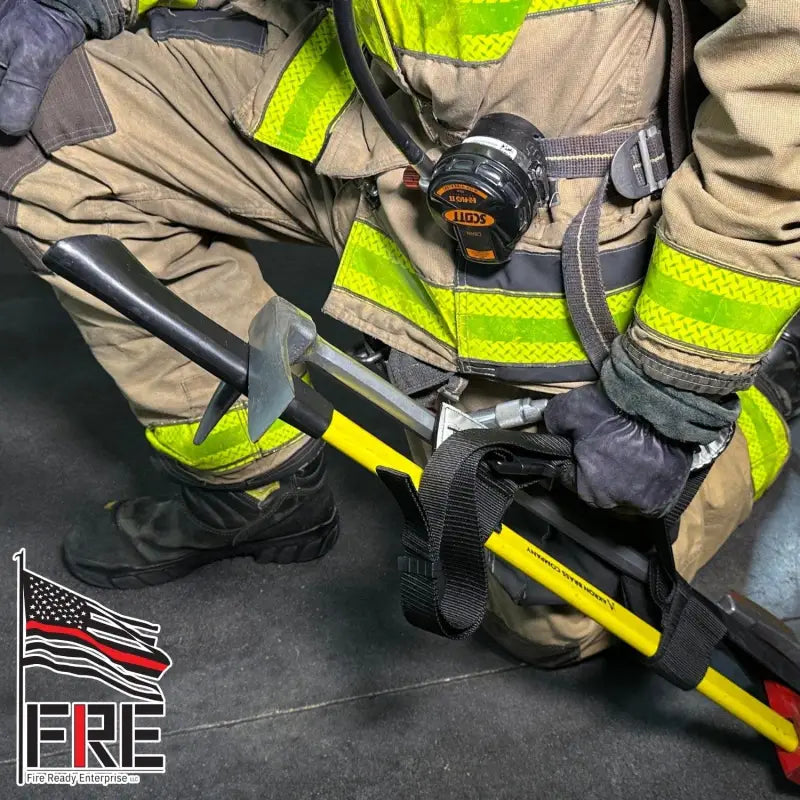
x=583 y=281
x=680 y=61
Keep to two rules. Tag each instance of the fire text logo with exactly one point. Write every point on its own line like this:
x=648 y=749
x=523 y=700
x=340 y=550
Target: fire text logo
x=86 y=742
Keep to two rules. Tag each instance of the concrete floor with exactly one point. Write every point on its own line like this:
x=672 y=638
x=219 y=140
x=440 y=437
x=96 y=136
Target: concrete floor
x=305 y=681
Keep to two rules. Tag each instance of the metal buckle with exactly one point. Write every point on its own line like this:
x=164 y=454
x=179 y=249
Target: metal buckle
x=369 y=351
x=623 y=174
x=706 y=454
x=451 y=392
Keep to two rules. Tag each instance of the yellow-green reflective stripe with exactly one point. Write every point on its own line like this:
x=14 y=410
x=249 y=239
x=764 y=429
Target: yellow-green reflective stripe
x=512 y=328
x=463 y=30
x=543 y=6
x=374 y=267
x=711 y=307
x=226 y=447
x=309 y=96
x=370 y=24
x=767 y=438
x=508 y=328
x=145 y=5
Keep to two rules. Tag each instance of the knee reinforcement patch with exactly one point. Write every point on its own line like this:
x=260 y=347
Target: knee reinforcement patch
x=73 y=111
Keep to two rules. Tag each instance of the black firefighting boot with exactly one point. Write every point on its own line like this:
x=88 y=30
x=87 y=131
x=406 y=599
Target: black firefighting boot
x=779 y=376
x=285 y=516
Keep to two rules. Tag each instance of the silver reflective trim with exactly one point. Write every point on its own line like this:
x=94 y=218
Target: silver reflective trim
x=540 y=273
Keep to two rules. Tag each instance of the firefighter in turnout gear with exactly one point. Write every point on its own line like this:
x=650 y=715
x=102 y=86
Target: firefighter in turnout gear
x=586 y=235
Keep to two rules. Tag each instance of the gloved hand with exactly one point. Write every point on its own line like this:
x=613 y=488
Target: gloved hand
x=34 y=42
x=634 y=438
x=36 y=36
x=622 y=462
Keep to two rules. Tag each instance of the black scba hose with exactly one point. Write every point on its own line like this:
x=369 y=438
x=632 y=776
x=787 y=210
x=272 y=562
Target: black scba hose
x=344 y=18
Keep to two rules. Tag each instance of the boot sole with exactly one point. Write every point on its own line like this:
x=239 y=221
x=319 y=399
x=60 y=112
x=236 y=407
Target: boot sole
x=291 y=549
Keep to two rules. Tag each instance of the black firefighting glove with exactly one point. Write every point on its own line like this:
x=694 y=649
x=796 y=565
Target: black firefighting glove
x=634 y=439
x=36 y=36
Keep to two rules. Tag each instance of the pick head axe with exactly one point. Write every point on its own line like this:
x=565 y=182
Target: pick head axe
x=104 y=267
x=281 y=336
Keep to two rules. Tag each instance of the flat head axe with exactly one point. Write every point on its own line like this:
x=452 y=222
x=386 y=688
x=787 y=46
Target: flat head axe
x=280 y=336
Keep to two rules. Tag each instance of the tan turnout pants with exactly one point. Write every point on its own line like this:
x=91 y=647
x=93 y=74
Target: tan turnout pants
x=157 y=163
x=135 y=141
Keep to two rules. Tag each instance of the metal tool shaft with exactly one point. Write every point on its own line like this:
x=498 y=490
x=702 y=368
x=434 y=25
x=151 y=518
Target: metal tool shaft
x=372 y=387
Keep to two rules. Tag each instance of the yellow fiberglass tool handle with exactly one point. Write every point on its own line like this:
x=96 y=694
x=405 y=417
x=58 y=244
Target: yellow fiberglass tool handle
x=105 y=268
x=369 y=451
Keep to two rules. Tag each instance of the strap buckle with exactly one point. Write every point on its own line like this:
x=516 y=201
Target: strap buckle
x=639 y=167
x=542 y=469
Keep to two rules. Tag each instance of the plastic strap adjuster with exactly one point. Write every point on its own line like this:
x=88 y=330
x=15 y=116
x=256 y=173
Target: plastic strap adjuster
x=639 y=167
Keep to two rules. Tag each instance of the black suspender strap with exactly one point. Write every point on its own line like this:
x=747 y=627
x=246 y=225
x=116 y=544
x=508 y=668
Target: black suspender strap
x=680 y=59
x=637 y=169
x=636 y=165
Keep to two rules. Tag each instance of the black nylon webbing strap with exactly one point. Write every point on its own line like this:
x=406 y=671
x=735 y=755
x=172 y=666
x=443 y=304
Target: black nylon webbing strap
x=583 y=281
x=671 y=520
x=678 y=122
x=460 y=503
x=638 y=164
x=690 y=629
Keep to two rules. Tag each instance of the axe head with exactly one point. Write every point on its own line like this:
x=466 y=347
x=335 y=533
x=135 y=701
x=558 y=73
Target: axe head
x=280 y=336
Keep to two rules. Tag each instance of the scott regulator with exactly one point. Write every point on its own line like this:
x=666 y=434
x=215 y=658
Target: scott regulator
x=484 y=191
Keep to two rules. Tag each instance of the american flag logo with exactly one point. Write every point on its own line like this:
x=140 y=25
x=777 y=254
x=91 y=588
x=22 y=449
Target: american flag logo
x=68 y=633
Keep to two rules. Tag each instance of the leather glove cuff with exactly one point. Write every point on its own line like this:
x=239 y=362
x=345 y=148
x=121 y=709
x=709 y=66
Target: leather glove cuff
x=103 y=19
x=676 y=414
